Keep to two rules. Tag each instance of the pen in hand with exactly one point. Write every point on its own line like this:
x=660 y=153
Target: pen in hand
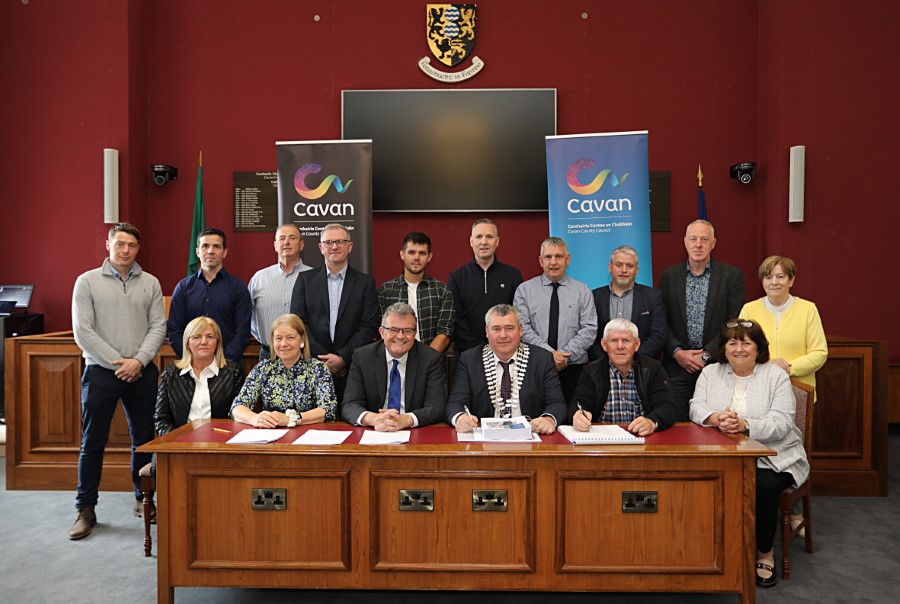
x=471 y=417
x=580 y=408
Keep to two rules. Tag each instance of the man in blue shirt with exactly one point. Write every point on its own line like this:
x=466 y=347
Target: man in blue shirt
x=212 y=292
x=558 y=313
x=338 y=304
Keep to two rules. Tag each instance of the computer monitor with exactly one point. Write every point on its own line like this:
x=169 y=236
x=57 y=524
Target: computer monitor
x=19 y=294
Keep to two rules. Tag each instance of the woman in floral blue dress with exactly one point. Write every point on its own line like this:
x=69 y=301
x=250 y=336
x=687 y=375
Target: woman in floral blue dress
x=294 y=389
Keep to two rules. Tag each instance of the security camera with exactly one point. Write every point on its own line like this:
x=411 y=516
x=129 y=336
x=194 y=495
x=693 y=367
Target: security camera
x=744 y=171
x=163 y=173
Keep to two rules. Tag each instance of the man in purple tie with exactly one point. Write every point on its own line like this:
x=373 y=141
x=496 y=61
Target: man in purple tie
x=397 y=382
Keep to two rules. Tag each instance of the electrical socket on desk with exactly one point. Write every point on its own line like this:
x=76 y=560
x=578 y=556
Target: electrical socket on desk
x=268 y=499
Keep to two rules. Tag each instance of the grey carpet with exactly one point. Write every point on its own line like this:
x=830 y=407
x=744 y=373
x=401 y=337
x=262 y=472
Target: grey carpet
x=857 y=559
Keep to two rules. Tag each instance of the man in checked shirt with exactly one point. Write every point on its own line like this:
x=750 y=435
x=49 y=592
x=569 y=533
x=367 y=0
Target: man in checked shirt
x=429 y=298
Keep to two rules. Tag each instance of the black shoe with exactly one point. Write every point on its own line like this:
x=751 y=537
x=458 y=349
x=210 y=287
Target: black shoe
x=765 y=581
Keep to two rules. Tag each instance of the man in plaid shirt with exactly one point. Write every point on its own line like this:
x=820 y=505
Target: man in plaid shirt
x=429 y=297
x=624 y=387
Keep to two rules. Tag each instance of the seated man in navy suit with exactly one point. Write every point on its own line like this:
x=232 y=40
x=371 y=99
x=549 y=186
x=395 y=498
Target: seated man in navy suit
x=338 y=305
x=397 y=382
x=506 y=378
x=624 y=299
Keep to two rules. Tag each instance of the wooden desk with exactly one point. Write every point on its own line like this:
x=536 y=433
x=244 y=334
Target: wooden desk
x=564 y=530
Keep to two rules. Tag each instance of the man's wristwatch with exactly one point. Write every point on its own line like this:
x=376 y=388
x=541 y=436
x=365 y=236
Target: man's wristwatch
x=706 y=357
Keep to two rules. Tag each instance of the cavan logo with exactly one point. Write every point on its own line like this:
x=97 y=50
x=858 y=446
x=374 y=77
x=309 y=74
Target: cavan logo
x=306 y=192
x=450 y=31
x=594 y=186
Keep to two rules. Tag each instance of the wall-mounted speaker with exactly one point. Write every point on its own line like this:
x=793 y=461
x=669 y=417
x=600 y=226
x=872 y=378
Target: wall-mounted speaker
x=110 y=186
x=797 y=184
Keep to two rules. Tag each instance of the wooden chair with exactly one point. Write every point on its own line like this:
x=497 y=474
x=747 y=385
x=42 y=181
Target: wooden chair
x=148 y=486
x=805 y=396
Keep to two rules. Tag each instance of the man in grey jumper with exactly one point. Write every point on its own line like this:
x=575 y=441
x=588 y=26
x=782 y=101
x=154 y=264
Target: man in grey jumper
x=119 y=323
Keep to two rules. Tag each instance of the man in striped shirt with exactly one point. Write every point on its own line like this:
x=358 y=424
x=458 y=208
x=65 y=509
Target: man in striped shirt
x=271 y=287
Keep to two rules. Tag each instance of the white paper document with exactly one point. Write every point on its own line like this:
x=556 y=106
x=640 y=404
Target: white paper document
x=323 y=437
x=601 y=435
x=477 y=436
x=371 y=437
x=249 y=436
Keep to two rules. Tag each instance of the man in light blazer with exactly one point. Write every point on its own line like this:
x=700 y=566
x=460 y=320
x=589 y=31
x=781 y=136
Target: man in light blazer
x=699 y=296
x=624 y=299
x=338 y=305
x=506 y=378
x=398 y=382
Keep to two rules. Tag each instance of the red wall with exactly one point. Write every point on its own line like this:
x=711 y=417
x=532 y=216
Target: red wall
x=714 y=83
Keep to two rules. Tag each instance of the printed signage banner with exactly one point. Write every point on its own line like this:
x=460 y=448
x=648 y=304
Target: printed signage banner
x=599 y=199
x=324 y=182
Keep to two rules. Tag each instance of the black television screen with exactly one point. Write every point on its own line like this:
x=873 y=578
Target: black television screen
x=454 y=150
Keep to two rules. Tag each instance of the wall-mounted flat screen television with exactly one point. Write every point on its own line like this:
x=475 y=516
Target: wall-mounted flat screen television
x=454 y=150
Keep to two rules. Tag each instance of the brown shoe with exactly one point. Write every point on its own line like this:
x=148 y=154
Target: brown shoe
x=139 y=510
x=84 y=521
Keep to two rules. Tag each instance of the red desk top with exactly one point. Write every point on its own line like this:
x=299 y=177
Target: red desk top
x=220 y=431
x=682 y=438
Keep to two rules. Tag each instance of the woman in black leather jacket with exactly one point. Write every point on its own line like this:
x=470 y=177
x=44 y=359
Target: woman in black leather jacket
x=201 y=384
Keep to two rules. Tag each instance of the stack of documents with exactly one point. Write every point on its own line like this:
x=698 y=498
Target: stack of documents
x=249 y=436
x=601 y=435
x=506 y=429
x=323 y=437
x=371 y=437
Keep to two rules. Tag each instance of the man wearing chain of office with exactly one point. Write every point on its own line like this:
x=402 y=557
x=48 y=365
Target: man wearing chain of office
x=506 y=378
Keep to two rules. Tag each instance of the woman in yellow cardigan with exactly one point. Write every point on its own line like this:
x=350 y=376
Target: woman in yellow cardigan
x=792 y=325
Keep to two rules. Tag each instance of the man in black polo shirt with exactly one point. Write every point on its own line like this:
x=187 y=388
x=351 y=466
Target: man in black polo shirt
x=480 y=285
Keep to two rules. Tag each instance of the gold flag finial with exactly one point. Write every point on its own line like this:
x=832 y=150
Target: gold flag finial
x=201 y=159
x=699 y=176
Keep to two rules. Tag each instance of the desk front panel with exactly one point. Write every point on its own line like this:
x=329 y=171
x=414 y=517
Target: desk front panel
x=564 y=528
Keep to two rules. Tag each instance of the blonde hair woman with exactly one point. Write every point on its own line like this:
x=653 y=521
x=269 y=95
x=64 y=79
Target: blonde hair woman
x=202 y=383
x=292 y=387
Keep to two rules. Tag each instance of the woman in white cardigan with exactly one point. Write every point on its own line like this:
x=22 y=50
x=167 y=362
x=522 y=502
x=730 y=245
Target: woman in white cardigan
x=749 y=395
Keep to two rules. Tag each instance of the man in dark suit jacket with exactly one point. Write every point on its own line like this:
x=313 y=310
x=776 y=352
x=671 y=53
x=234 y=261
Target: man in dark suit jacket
x=532 y=387
x=334 y=335
x=647 y=309
x=694 y=320
x=396 y=383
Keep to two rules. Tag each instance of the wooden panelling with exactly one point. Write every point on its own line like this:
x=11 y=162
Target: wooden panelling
x=438 y=540
x=54 y=375
x=839 y=420
x=309 y=534
x=849 y=455
x=894 y=392
x=564 y=529
x=43 y=413
x=668 y=540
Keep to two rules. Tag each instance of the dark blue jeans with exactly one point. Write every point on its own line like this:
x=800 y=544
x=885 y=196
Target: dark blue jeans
x=101 y=391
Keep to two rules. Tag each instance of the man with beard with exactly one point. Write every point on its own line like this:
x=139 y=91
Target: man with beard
x=430 y=299
x=624 y=299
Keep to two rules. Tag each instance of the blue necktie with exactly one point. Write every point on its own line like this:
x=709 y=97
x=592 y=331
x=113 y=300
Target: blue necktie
x=394 y=388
